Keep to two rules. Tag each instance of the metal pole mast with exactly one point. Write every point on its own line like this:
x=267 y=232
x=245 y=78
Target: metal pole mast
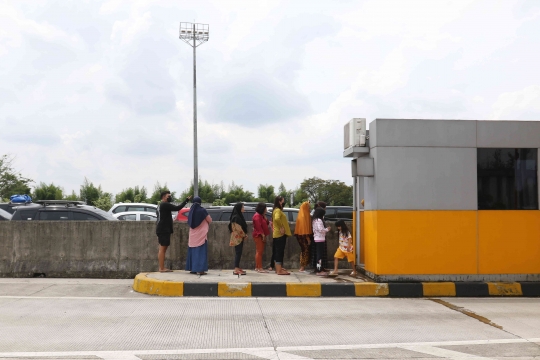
x=194 y=35
x=195 y=157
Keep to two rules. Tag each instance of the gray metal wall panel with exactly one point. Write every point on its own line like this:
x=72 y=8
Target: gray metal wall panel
x=434 y=133
x=508 y=134
x=370 y=186
x=372 y=134
x=424 y=178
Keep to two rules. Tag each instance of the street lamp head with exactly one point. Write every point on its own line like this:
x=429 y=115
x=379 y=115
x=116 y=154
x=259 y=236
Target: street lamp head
x=193 y=33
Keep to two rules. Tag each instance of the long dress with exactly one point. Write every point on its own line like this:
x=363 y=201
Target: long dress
x=197 y=257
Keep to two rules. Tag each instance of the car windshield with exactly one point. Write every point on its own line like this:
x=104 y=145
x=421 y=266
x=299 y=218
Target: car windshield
x=102 y=213
x=4 y=214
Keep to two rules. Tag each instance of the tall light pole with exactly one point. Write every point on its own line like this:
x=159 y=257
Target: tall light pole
x=194 y=35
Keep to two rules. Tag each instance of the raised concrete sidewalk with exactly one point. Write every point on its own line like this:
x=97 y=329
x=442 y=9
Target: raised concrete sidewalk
x=224 y=284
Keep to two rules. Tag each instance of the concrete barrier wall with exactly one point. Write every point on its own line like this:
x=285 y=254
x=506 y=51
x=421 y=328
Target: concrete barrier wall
x=119 y=249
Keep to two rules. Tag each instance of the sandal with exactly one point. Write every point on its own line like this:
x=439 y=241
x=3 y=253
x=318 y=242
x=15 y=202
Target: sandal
x=322 y=273
x=239 y=273
x=262 y=271
x=286 y=273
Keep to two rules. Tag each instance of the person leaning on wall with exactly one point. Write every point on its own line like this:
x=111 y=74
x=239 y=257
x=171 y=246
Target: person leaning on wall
x=164 y=225
x=281 y=230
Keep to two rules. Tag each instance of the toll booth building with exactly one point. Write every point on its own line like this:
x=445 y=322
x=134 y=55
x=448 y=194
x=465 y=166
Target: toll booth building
x=444 y=200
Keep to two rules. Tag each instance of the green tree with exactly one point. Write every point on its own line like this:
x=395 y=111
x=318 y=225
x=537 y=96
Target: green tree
x=104 y=202
x=136 y=195
x=333 y=192
x=47 y=192
x=72 y=197
x=282 y=191
x=90 y=193
x=207 y=192
x=11 y=181
x=237 y=193
x=158 y=188
x=266 y=193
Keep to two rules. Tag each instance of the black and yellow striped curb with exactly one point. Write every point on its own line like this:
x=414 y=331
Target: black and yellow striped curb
x=151 y=286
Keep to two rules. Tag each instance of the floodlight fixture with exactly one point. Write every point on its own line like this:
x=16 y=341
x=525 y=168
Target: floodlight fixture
x=194 y=35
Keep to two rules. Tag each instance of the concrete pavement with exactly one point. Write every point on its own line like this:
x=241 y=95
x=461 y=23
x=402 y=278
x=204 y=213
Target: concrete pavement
x=105 y=319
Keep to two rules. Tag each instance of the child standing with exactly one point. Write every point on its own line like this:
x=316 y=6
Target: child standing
x=319 y=237
x=345 y=249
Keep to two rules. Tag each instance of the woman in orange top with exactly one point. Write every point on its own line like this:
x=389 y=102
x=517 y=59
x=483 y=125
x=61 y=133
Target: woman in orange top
x=304 y=234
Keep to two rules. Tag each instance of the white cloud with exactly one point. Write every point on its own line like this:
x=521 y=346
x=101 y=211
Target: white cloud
x=104 y=89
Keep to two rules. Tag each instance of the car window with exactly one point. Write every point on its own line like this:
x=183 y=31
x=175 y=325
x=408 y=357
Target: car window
x=344 y=214
x=53 y=215
x=84 y=217
x=128 y=217
x=119 y=209
x=294 y=215
x=225 y=216
x=147 y=217
x=150 y=210
x=28 y=214
x=213 y=214
x=330 y=213
x=135 y=208
x=248 y=215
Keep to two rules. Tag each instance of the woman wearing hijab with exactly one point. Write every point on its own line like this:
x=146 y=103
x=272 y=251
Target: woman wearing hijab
x=238 y=230
x=198 y=221
x=304 y=234
x=260 y=233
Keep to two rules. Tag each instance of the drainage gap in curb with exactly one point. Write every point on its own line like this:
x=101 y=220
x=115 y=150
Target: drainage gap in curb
x=467 y=312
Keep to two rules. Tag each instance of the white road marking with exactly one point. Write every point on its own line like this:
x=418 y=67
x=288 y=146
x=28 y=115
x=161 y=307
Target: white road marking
x=280 y=353
x=444 y=353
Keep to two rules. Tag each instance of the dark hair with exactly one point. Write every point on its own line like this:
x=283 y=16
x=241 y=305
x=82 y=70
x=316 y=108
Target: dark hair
x=320 y=204
x=276 y=202
x=261 y=208
x=344 y=228
x=318 y=213
x=165 y=192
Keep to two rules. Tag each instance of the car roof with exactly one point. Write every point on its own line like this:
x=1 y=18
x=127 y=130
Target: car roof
x=132 y=212
x=136 y=204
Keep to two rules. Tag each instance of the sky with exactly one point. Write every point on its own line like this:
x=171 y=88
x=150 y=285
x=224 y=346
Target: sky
x=104 y=89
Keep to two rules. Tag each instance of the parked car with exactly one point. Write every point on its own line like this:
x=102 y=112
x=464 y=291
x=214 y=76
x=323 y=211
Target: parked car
x=60 y=210
x=128 y=207
x=136 y=216
x=335 y=213
x=10 y=207
x=223 y=213
x=4 y=215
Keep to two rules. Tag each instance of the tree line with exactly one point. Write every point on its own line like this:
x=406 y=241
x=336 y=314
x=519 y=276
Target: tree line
x=333 y=192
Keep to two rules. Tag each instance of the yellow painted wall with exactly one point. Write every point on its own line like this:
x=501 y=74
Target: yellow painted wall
x=509 y=241
x=420 y=242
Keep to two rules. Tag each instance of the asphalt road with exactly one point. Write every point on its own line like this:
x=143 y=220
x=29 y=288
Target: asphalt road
x=105 y=319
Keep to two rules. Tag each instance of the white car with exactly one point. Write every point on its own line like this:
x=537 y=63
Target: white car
x=135 y=216
x=129 y=207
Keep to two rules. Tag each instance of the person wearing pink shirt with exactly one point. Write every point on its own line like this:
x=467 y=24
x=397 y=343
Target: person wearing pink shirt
x=260 y=234
x=199 y=223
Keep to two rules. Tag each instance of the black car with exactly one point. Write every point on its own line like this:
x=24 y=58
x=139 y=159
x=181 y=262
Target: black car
x=223 y=213
x=10 y=207
x=335 y=213
x=60 y=210
x=4 y=215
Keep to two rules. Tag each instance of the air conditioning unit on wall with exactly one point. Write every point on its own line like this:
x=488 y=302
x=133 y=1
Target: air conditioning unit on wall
x=355 y=133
